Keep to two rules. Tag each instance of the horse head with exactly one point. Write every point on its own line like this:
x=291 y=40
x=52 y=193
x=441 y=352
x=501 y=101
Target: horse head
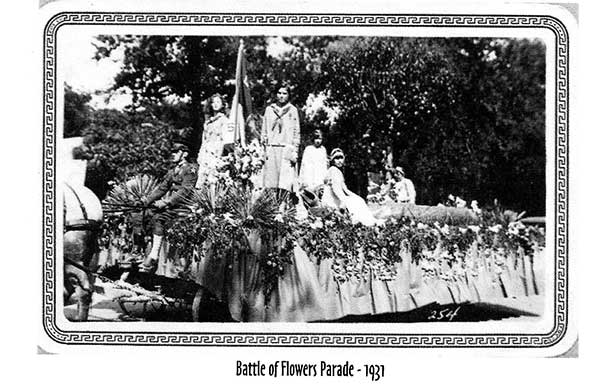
x=82 y=217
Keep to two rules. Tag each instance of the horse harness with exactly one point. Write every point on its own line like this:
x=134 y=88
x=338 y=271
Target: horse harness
x=79 y=224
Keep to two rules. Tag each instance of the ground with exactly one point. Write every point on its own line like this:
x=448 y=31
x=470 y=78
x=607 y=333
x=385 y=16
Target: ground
x=105 y=307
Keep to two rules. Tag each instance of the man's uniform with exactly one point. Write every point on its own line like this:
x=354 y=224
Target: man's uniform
x=177 y=186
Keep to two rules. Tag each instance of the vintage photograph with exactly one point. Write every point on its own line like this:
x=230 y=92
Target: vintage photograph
x=304 y=178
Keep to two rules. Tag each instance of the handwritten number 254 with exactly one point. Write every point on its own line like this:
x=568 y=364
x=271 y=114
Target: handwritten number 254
x=445 y=314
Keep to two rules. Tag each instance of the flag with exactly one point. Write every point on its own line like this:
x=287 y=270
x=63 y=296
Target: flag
x=241 y=107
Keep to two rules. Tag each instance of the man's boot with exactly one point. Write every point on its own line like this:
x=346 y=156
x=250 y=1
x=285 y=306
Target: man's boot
x=152 y=260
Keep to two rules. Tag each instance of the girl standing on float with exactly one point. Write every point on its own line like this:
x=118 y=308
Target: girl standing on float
x=281 y=134
x=216 y=132
x=314 y=165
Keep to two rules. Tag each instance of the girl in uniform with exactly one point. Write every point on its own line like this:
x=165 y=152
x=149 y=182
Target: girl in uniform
x=281 y=134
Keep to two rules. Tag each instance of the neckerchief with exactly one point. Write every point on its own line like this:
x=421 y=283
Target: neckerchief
x=279 y=114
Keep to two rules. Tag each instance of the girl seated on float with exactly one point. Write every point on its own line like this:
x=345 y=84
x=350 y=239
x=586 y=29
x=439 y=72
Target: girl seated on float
x=337 y=195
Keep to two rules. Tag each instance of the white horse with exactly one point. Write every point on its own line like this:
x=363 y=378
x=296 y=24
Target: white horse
x=82 y=219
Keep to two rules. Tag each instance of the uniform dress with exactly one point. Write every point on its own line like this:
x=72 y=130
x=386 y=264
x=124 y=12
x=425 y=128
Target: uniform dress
x=314 y=167
x=212 y=143
x=176 y=187
x=282 y=134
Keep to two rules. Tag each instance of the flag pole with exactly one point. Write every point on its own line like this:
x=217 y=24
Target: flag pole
x=238 y=134
x=237 y=77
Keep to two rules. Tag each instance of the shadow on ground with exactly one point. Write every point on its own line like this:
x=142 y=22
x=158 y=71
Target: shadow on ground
x=465 y=312
x=213 y=310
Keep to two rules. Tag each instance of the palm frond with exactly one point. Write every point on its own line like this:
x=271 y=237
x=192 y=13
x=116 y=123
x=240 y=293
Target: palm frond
x=132 y=192
x=265 y=208
x=209 y=198
x=258 y=208
x=239 y=203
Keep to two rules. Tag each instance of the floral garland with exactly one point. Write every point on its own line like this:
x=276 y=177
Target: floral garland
x=443 y=251
x=191 y=233
x=277 y=257
x=116 y=231
x=357 y=251
x=219 y=217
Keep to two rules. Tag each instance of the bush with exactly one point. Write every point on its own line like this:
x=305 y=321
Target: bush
x=125 y=144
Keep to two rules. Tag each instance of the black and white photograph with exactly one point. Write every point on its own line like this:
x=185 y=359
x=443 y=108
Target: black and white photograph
x=314 y=177
x=306 y=178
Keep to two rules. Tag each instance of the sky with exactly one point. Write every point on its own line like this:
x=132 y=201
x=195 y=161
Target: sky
x=87 y=75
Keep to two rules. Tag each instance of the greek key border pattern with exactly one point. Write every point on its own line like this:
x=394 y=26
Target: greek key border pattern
x=304 y=339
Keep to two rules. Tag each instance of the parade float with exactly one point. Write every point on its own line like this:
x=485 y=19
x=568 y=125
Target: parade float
x=252 y=255
x=238 y=252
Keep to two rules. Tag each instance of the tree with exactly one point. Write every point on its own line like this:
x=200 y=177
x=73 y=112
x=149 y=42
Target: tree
x=504 y=86
x=186 y=68
x=464 y=116
x=77 y=113
x=391 y=92
x=192 y=68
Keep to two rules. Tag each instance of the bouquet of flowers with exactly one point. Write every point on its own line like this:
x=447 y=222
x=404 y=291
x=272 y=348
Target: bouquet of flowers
x=243 y=163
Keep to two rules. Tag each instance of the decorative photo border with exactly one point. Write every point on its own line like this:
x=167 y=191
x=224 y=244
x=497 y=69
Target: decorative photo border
x=50 y=89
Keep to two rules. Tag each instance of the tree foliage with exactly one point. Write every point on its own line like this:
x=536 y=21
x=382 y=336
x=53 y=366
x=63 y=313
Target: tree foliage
x=506 y=89
x=464 y=116
x=186 y=69
x=391 y=92
x=77 y=113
